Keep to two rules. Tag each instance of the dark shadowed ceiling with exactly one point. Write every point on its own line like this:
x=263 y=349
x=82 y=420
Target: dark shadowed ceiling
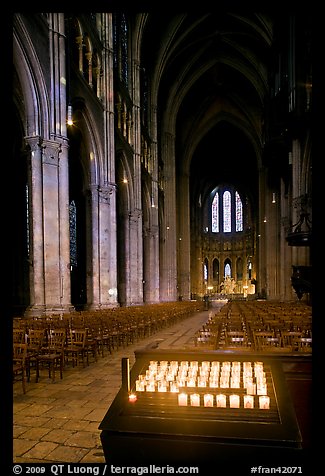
x=212 y=72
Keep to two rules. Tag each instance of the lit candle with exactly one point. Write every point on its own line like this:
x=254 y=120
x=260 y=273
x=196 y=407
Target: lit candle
x=191 y=382
x=202 y=382
x=132 y=398
x=251 y=388
x=234 y=401
x=234 y=382
x=221 y=400
x=261 y=389
x=150 y=387
x=139 y=385
x=162 y=386
x=248 y=401
x=264 y=402
x=195 y=400
x=224 y=382
x=208 y=400
x=174 y=387
x=182 y=399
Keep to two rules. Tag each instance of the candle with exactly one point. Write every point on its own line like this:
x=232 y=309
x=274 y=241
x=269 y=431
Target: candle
x=248 y=401
x=150 y=386
x=162 y=386
x=234 y=401
x=132 y=398
x=261 y=389
x=195 y=400
x=202 y=382
x=139 y=385
x=174 y=387
x=264 y=402
x=182 y=399
x=224 y=382
x=234 y=382
x=221 y=400
x=208 y=400
x=251 y=388
x=191 y=382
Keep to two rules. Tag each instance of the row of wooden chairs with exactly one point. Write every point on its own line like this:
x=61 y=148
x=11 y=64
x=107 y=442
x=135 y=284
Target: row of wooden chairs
x=56 y=341
x=251 y=327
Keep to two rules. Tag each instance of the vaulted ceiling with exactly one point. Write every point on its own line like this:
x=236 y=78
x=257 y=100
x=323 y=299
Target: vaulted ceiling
x=210 y=71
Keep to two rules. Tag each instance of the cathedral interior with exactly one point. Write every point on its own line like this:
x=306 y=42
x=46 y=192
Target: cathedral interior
x=160 y=158
x=158 y=154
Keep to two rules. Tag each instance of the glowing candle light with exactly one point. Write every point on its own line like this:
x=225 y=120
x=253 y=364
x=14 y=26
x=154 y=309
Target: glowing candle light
x=174 y=387
x=195 y=400
x=139 y=385
x=264 y=402
x=234 y=401
x=248 y=401
x=150 y=387
x=221 y=400
x=191 y=382
x=261 y=389
x=208 y=400
x=182 y=399
x=132 y=398
x=162 y=386
x=251 y=388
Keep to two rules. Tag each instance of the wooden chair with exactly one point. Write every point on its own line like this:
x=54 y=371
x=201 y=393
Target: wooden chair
x=304 y=344
x=289 y=340
x=76 y=346
x=266 y=341
x=35 y=342
x=18 y=335
x=52 y=354
x=19 y=363
x=237 y=340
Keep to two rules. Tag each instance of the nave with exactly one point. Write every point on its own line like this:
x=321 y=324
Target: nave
x=58 y=421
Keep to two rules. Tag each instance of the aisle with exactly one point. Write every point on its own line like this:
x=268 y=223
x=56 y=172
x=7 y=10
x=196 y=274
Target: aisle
x=58 y=422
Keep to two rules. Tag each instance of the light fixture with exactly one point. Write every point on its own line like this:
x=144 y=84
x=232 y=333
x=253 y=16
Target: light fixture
x=273 y=197
x=69 y=119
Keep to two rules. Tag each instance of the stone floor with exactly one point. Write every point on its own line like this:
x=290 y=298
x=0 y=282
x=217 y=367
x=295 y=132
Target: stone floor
x=58 y=422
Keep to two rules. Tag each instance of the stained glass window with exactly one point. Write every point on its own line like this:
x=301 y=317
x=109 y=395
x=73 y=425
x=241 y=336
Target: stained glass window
x=226 y=212
x=120 y=45
x=27 y=219
x=227 y=270
x=239 y=212
x=205 y=270
x=215 y=213
x=73 y=233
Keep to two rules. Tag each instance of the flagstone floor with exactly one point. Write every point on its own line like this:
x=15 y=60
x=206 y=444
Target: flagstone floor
x=58 y=422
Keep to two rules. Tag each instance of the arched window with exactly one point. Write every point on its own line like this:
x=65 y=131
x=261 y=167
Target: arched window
x=215 y=269
x=205 y=270
x=226 y=211
x=215 y=213
x=120 y=44
x=227 y=270
x=239 y=212
x=226 y=208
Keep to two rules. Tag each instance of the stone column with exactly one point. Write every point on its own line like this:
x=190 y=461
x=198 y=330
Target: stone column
x=37 y=276
x=135 y=258
x=184 y=246
x=102 y=291
x=50 y=246
x=168 y=269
